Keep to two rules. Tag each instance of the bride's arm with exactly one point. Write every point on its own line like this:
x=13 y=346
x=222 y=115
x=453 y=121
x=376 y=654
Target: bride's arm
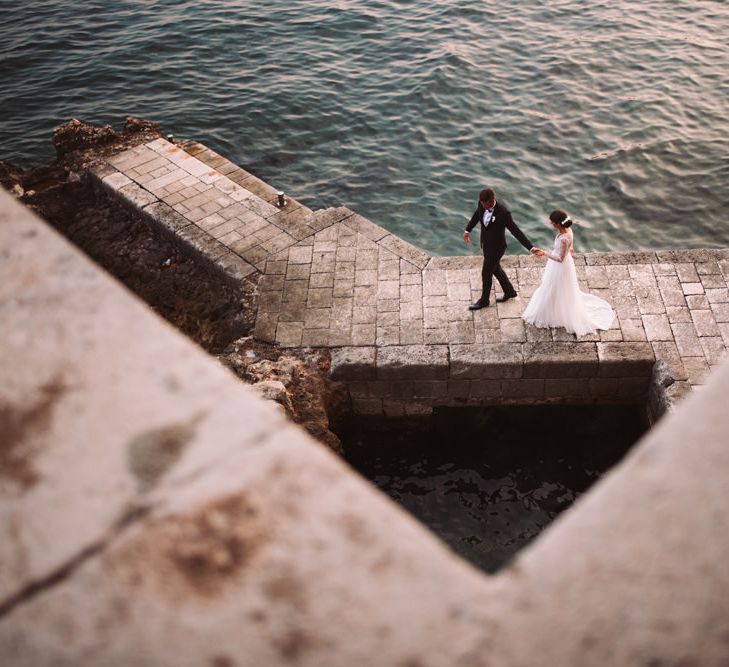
x=563 y=246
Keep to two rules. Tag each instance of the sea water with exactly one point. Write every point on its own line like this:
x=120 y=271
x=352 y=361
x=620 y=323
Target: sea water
x=616 y=111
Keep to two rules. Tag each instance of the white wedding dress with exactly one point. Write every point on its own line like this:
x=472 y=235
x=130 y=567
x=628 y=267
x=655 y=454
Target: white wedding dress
x=558 y=301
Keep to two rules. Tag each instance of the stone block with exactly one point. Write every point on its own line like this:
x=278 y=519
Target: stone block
x=404 y=250
x=657 y=327
x=697 y=368
x=437 y=335
x=388 y=335
x=266 y=324
x=485 y=389
x=720 y=295
x=393 y=408
x=411 y=310
x=288 y=334
x=415 y=409
x=603 y=389
x=367 y=406
x=512 y=330
x=115 y=181
x=633 y=330
x=412 y=332
x=430 y=389
x=721 y=312
x=692 y=288
x=704 y=323
x=137 y=196
x=560 y=360
x=527 y=390
x=459 y=389
x=434 y=283
x=461 y=332
x=572 y=389
x=412 y=362
x=367 y=228
x=459 y=291
x=317 y=318
x=202 y=243
x=364 y=334
x=667 y=354
x=295 y=291
x=714 y=349
x=486 y=361
x=686 y=338
x=324 y=218
x=412 y=292
x=315 y=337
x=353 y=363
x=633 y=390
x=234 y=267
x=166 y=217
x=627 y=359
x=637 y=257
x=698 y=302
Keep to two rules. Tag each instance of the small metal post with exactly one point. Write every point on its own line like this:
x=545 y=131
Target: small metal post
x=171 y=138
x=281 y=199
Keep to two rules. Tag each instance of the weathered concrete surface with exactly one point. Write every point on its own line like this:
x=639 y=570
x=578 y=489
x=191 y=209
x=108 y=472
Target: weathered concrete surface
x=156 y=511
x=335 y=279
x=81 y=369
x=153 y=506
x=640 y=564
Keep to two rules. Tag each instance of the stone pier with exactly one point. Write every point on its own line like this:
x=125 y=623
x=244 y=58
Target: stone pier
x=397 y=319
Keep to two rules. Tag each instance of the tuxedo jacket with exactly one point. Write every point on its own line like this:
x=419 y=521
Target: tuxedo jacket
x=493 y=237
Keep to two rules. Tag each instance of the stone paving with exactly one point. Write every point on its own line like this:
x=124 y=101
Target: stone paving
x=398 y=318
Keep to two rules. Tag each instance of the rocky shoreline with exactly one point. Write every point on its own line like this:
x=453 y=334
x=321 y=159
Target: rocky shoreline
x=217 y=315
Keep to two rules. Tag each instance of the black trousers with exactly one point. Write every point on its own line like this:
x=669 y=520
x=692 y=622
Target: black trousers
x=491 y=268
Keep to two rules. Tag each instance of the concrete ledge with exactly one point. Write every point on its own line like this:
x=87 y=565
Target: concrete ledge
x=560 y=360
x=486 y=361
x=353 y=363
x=412 y=362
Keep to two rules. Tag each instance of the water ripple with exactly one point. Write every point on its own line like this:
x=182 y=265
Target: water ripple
x=404 y=109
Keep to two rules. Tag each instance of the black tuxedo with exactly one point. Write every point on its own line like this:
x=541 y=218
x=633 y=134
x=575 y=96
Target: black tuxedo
x=493 y=244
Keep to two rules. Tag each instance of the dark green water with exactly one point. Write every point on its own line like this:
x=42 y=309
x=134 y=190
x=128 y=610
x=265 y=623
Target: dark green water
x=404 y=109
x=487 y=481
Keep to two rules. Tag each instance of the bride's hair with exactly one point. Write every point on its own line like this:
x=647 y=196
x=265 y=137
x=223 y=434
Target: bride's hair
x=559 y=217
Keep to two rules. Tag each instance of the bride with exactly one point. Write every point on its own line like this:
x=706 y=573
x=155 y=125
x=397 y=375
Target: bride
x=558 y=301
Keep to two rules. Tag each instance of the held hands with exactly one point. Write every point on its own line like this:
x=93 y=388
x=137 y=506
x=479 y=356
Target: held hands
x=537 y=252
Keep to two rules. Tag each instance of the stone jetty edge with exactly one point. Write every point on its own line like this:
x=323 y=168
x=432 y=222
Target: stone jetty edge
x=332 y=278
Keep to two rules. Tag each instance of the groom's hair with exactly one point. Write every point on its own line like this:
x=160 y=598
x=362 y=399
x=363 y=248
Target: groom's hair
x=487 y=194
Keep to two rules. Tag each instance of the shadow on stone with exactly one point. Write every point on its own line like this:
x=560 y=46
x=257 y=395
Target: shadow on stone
x=488 y=480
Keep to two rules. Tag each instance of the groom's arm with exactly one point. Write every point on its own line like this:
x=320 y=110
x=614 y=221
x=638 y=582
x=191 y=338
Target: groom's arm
x=517 y=233
x=473 y=221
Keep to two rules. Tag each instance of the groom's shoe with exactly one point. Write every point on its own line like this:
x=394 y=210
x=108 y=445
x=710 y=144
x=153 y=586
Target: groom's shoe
x=481 y=303
x=506 y=297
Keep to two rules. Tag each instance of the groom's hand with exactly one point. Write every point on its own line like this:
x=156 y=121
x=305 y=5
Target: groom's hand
x=466 y=237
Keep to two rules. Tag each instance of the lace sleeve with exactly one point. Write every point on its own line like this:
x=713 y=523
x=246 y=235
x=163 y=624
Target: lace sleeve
x=563 y=247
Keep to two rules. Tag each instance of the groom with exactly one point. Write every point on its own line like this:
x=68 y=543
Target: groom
x=494 y=219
